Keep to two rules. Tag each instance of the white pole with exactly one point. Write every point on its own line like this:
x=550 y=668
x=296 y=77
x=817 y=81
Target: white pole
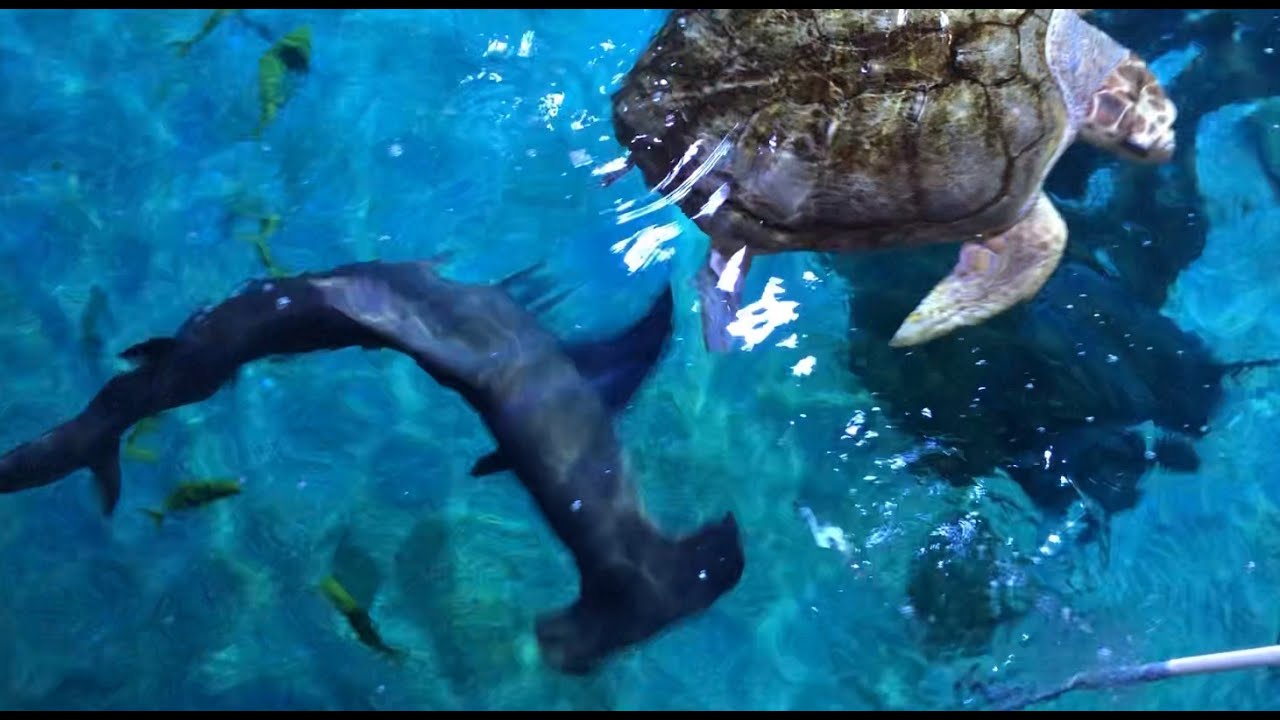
x=1234 y=660
x=1150 y=672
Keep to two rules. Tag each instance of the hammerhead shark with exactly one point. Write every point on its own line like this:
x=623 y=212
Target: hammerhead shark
x=548 y=405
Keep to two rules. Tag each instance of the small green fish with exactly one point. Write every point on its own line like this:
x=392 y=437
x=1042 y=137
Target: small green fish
x=143 y=427
x=267 y=227
x=357 y=617
x=146 y=425
x=292 y=53
x=213 y=21
x=140 y=454
x=189 y=495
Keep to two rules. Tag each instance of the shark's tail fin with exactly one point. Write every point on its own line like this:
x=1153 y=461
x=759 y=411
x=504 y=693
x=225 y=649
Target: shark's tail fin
x=60 y=452
x=627 y=603
x=91 y=440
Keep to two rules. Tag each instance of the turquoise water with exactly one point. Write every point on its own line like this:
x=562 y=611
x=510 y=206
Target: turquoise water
x=129 y=169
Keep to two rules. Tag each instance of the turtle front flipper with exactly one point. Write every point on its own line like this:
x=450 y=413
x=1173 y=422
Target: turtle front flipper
x=1131 y=115
x=990 y=277
x=720 y=295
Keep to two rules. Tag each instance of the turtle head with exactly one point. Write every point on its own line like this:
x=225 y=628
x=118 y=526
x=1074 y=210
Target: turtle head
x=1131 y=115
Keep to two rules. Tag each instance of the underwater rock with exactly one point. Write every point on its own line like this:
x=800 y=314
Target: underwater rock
x=1229 y=295
x=474 y=631
x=1231 y=164
x=1264 y=124
x=962 y=587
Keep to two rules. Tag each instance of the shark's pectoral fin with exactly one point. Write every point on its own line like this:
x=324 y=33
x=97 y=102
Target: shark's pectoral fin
x=494 y=462
x=106 y=472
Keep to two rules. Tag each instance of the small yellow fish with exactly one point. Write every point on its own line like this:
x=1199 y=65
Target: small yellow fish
x=140 y=454
x=357 y=617
x=145 y=426
x=195 y=494
x=213 y=21
x=244 y=210
x=290 y=53
x=267 y=227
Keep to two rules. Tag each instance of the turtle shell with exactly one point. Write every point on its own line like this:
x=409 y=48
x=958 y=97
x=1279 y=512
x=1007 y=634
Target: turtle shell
x=846 y=129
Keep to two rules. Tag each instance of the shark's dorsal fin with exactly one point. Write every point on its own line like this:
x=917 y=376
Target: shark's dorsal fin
x=149 y=352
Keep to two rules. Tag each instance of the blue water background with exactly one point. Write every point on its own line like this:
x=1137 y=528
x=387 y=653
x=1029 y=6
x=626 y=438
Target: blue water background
x=417 y=133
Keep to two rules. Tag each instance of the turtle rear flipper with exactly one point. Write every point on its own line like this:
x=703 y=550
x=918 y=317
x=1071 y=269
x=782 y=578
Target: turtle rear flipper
x=990 y=277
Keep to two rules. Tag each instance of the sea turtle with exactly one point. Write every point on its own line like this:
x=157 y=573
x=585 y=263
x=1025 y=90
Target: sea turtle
x=853 y=130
